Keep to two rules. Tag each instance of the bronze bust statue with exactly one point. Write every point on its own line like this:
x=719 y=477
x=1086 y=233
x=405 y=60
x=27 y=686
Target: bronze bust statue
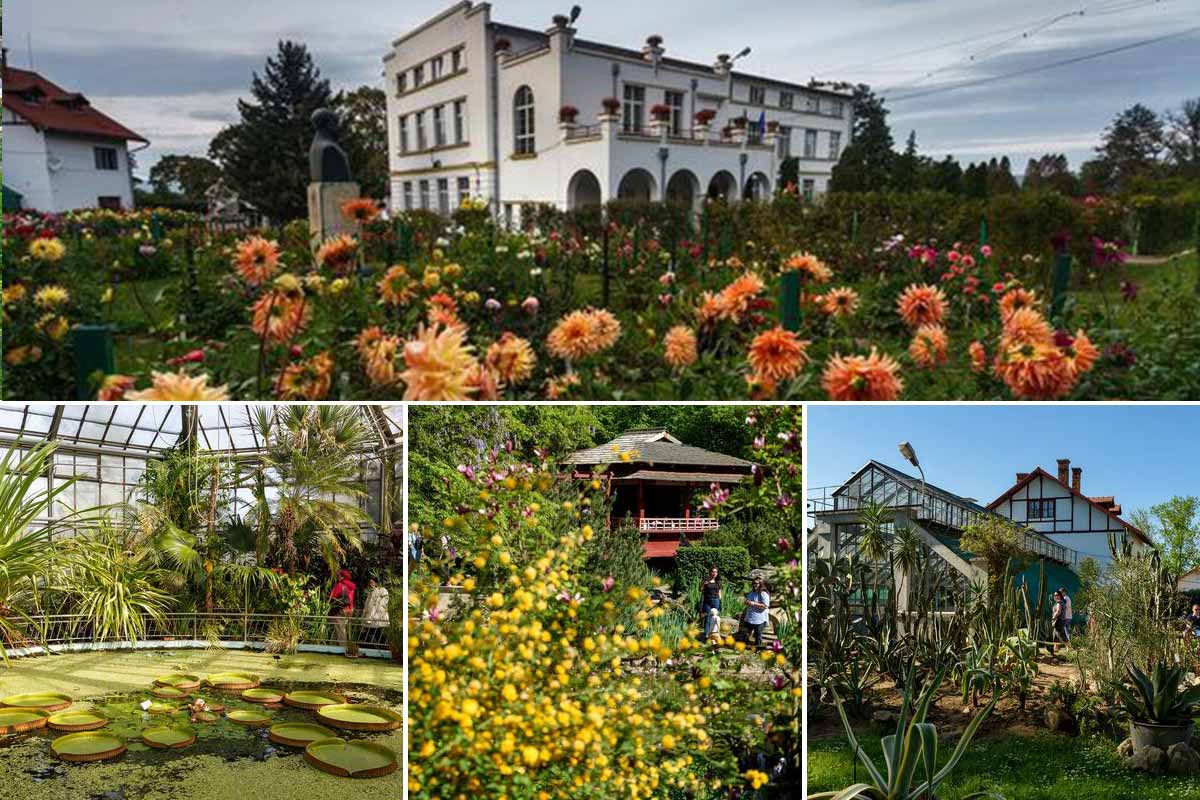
x=327 y=160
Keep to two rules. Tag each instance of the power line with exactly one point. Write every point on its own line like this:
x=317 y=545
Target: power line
x=1043 y=67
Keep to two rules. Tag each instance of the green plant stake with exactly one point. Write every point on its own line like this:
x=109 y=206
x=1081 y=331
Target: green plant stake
x=789 y=300
x=1061 y=277
x=854 y=226
x=93 y=347
x=983 y=232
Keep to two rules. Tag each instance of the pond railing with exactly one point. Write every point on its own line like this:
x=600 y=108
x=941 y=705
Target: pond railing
x=230 y=629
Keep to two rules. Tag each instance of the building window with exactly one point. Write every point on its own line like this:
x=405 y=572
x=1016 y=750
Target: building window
x=106 y=158
x=1041 y=509
x=810 y=188
x=403 y=133
x=444 y=196
x=523 y=122
x=758 y=95
x=785 y=141
x=460 y=121
x=837 y=109
x=435 y=68
x=464 y=190
x=633 y=109
x=835 y=144
x=812 y=104
x=456 y=59
x=408 y=196
x=810 y=143
x=422 y=144
x=439 y=126
x=787 y=100
x=109 y=202
x=401 y=82
x=425 y=194
x=674 y=101
x=418 y=76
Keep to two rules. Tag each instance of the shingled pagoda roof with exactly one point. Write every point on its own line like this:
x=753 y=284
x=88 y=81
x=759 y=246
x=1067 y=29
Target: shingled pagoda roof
x=655 y=446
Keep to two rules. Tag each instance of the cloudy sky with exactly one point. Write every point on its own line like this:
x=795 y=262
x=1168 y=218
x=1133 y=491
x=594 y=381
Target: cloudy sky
x=173 y=69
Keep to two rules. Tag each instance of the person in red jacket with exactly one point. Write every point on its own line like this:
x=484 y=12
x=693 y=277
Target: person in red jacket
x=342 y=608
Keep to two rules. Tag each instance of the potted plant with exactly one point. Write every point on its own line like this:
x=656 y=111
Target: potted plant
x=660 y=112
x=502 y=44
x=1160 y=712
x=654 y=40
x=739 y=122
x=568 y=114
x=611 y=105
x=704 y=116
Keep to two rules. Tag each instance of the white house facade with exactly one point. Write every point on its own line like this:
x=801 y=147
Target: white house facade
x=513 y=115
x=1055 y=506
x=60 y=153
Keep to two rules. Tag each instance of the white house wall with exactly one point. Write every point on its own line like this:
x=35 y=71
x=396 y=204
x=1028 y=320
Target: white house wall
x=25 y=163
x=1078 y=524
x=78 y=184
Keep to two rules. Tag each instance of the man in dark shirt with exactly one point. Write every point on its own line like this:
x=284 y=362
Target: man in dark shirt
x=1193 y=619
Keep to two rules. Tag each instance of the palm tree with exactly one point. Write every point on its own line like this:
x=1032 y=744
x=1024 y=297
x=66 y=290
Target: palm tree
x=311 y=463
x=27 y=532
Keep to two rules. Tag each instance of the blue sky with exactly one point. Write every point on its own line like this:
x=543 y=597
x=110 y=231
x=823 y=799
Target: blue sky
x=173 y=69
x=1141 y=454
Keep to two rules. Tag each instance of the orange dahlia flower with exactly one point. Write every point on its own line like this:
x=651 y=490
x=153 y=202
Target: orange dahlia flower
x=257 y=259
x=978 y=356
x=809 y=265
x=114 y=387
x=873 y=377
x=1034 y=370
x=680 y=347
x=395 y=287
x=1081 y=354
x=840 y=302
x=306 y=380
x=338 y=253
x=1026 y=325
x=280 y=314
x=928 y=346
x=360 y=210
x=511 y=358
x=440 y=365
x=778 y=355
x=921 y=304
x=1015 y=300
x=179 y=386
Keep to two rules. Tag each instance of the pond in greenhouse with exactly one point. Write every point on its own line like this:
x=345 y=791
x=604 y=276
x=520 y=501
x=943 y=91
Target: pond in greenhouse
x=251 y=725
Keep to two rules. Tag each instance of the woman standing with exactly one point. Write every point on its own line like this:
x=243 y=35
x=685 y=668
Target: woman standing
x=710 y=603
x=341 y=608
x=375 y=611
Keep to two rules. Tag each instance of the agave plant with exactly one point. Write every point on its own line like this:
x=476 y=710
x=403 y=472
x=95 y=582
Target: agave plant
x=910 y=754
x=1157 y=699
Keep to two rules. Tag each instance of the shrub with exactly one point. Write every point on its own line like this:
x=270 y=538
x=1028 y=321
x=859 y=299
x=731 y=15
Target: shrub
x=692 y=563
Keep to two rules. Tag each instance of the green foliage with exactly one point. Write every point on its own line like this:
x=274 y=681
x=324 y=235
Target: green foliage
x=694 y=562
x=999 y=542
x=1174 y=526
x=1158 y=699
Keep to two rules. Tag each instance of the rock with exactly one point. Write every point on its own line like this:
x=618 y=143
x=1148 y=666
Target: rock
x=1059 y=720
x=884 y=717
x=1125 y=749
x=1182 y=760
x=1148 y=759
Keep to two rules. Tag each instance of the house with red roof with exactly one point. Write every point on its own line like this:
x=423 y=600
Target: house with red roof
x=1056 y=506
x=60 y=152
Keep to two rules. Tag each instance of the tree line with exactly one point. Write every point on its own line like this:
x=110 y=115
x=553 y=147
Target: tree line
x=264 y=155
x=1140 y=150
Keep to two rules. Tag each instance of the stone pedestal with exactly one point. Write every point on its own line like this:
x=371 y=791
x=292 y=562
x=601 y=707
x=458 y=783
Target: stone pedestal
x=325 y=217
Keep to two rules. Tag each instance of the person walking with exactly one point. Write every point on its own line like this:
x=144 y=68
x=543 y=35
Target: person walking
x=758 y=603
x=341 y=609
x=1068 y=615
x=375 y=611
x=1059 y=622
x=710 y=603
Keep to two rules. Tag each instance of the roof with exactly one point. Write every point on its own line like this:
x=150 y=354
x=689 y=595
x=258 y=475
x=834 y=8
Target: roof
x=682 y=477
x=916 y=483
x=1095 y=502
x=58 y=110
x=654 y=446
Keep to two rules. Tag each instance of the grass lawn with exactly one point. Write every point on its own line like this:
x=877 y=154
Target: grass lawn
x=27 y=772
x=1038 y=766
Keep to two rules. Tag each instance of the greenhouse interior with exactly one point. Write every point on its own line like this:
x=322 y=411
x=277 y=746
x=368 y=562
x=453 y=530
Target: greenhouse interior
x=200 y=601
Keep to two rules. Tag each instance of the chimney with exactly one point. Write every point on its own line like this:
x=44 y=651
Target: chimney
x=1064 y=468
x=1022 y=476
x=1076 y=478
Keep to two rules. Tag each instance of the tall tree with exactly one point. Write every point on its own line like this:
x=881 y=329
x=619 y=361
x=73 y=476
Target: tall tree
x=1131 y=147
x=866 y=163
x=905 y=175
x=947 y=176
x=189 y=176
x=265 y=155
x=1050 y=172
x=1001 y=179
x=365 y=138
x=1183 y=138
x=1174 y=526
x=975 y=181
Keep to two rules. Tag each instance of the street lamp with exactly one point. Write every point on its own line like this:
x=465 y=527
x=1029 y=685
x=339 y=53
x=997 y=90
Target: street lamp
x=910 y=455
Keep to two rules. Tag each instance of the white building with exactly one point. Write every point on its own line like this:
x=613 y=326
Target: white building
x=1055 y=505
x=474 y=110
x=60 y=153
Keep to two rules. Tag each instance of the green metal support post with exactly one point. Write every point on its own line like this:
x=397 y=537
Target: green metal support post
x=93 y=348
x=1060 y=280
x=789 y=300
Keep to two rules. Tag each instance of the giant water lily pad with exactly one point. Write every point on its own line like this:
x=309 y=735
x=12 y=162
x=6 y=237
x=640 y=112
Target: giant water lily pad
x=162 y=708
x=298 y=734
x=17 y=720
x=47 y=701
x=169 y=737
x=263 y=695
x=90 y=746
x=251 y=719
x=179 y=680
x=360 y=717
x=351 y=759
x=169 y=692
x=233 y=681
x=77 y=721
x=206 y=716
x=313 y=700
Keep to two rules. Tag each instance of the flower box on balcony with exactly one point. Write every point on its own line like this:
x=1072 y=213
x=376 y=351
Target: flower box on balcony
x=611 y=105
x=568 y=114
x=660 y=112
x=704 y=116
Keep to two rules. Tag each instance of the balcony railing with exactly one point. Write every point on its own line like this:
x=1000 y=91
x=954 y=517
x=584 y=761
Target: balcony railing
x=582 y=132
x=689 y=524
